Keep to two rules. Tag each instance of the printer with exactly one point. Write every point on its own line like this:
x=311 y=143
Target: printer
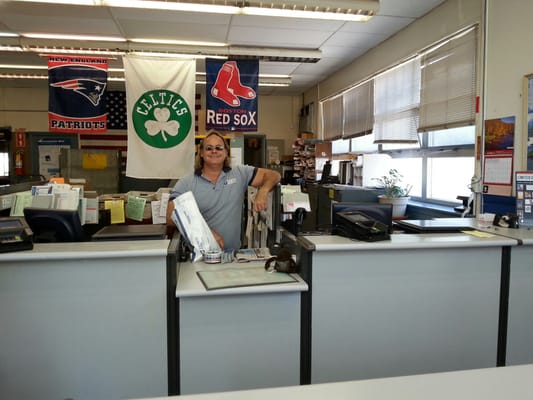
x=358 y=225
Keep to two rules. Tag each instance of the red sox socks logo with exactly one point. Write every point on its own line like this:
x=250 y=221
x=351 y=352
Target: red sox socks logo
x=228 y=87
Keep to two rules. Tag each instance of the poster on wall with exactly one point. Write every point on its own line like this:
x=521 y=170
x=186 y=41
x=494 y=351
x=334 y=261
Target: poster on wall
x=498 y=157
x=76 y=88
x=231 y=95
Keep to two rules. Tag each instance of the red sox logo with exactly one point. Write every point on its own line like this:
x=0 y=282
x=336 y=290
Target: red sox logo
x=228 y=86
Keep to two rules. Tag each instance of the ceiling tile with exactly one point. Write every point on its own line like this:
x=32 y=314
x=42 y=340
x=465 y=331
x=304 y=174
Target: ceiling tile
x=339 y=42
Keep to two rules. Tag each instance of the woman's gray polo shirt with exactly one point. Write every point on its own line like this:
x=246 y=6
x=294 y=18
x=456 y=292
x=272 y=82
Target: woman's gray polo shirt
x=221 y=204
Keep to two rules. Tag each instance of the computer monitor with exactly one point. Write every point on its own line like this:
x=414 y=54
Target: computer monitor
x=53 y=225
x=377 y=211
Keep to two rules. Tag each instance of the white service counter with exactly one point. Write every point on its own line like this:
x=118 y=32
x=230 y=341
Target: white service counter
x=510 y=383
x=520 y=296
x=419 y=303
x=237 y=338
x=84 y=321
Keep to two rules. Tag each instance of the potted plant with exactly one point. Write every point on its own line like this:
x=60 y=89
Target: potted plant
x=394 y=192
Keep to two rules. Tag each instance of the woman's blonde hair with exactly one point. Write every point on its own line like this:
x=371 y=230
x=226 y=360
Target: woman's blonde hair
x=199 y=161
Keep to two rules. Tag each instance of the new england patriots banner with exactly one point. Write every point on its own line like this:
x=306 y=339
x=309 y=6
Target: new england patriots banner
x=231 y=95
x=160 y=106
x=76 y=101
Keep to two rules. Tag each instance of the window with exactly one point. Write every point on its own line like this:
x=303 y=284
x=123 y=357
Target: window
x=332 y=118
x=397 y=96
x=441 y=169
x=364 y=144
x=448 y=177
x=448 y=91
x=4 y=164
x=441 y=163
x=358 y=104
x=340 y=146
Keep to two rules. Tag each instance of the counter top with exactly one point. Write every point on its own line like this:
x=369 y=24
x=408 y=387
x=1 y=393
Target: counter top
x=190 y=285
x=89 y=250
x=523 y=235
x=399 y=241
x=489 y=383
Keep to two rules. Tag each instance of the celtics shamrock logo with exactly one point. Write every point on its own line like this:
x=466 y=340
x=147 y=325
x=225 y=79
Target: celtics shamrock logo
x=161 y=118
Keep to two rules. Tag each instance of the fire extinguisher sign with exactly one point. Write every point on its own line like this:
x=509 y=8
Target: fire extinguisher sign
x=20 y=138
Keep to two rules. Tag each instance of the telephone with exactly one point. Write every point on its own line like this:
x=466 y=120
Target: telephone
x=15 y=234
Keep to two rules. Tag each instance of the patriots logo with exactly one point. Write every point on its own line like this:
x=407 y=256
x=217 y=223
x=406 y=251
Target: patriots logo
x=90 y=89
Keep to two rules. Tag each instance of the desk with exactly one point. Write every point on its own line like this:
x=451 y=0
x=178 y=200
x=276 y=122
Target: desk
x=414 y=304
x=510 y=383
x=237 y=338
x=84 y=321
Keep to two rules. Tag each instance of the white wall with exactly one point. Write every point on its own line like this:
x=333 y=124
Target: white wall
x=509 y=57
x=27 y=107
x=24 y=108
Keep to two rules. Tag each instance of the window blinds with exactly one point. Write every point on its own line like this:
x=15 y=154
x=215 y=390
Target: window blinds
x=397 y=97
x=448 y=94
x=332 y=118
x=358 y=104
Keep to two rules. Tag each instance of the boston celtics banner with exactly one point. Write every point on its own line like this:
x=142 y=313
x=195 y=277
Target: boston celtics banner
x=231 y=95
x=160 y=107
x=76 y=100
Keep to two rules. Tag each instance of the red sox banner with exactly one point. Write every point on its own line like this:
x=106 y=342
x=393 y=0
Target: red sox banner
x=76 y=88
x=231 y=98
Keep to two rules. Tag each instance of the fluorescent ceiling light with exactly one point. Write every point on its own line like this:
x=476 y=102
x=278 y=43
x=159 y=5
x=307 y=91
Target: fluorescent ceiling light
x=267 y=83
x=175 y=55
x=177 y=42
x=199 y=74
x=73 y=37
x=54 y=50
x=344 y=10
x=28 y=66
x=74 y=2
x=21 y=66
x=22 y=76
x=171 y=6
x=197 y=52
x=7 y=47
x=292 y=13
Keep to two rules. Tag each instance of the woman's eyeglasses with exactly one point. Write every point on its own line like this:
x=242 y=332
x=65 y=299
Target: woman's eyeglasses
x=218 y=147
